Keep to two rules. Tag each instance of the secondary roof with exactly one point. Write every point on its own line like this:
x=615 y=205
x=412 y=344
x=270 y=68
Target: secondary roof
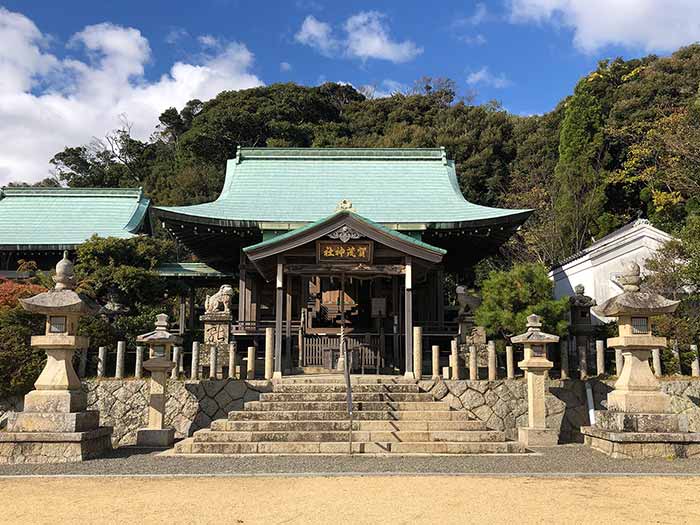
x=410 y=187
x=63 y=218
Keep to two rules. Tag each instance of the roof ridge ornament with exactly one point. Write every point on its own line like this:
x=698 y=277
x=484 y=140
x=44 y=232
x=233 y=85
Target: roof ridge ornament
x=345 y=205
x=345 y=233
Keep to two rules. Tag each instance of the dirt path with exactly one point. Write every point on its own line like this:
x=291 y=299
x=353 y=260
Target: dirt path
x=339 y=500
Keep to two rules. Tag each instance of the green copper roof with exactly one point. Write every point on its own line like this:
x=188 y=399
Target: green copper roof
x=388 y=186
x=59 y=218
x=299 y=231
x=193 y=269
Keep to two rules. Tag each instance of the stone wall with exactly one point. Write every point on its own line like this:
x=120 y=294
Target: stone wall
x=191 y=405
x=501 y=404
x=10 y=404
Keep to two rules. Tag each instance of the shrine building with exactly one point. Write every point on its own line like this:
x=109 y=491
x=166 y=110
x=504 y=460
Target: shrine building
x=324 y=240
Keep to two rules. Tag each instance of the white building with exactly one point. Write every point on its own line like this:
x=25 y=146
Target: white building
x=597 y=267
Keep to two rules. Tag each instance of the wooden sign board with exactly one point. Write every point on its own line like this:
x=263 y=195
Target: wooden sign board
x=344 y=252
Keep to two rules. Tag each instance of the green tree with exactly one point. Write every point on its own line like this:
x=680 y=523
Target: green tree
x=508 y=297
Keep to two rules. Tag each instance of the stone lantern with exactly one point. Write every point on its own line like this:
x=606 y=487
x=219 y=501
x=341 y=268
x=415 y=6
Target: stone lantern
x=160 y=343
x=639 y=421
x=55 y=426
x=536 y=365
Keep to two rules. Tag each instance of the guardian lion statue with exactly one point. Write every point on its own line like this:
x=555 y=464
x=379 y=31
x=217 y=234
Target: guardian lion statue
x=220 y=301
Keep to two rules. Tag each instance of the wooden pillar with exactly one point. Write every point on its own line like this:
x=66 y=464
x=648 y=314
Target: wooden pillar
x=440 y=285
x=408 y=318
x=279 y=302
x=182 y=314
x=192 y=307
x=242 y=287
x=288 y=326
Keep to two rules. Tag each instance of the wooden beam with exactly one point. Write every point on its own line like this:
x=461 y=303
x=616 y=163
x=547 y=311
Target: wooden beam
x=349 y=269
x=408 y=318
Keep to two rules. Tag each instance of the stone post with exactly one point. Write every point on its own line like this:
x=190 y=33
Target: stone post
x=676 y=354
x=121 y=350
x=473 y=364
x=600 y=357
x=417 y=352
x=535 y=365
x=436 y=361
x=102 y=361
x=446 y=372
x=492 y=360
x=656 y=360
x=269 y=352
x=582 y=358
x=454 y=359
x=619 y=361
x=564 y=357
x=177 y=351
x=181 y=362
x=510 y=369
x=138 y=370
x=695 y=364
x=250 y=365
x=156 y=435
x=213 y=354
x=232 y=360
x=82 y=365
x=194 y=371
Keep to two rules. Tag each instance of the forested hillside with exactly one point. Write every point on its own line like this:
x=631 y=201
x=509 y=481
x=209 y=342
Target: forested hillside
x=624 y=144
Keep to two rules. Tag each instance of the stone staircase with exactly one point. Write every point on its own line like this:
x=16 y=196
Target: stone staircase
x=308 y=415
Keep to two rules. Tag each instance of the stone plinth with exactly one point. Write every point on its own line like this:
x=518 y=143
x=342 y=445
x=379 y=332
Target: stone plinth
x=538 y=437
x=643 y=444
x=155 y=438
x=54 y=447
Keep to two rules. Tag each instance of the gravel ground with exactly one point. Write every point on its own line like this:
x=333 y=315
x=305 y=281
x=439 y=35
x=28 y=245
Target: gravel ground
x=562 y=460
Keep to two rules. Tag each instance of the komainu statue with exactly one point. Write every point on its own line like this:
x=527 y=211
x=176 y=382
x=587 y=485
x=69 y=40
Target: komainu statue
x=220 y=301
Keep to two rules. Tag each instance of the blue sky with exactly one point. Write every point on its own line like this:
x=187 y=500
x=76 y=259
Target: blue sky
x=71 y=71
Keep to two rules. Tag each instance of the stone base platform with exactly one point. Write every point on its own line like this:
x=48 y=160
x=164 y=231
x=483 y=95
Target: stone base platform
x=538 y=437
x=155 y=438
x=643 y=444
x=54 y=447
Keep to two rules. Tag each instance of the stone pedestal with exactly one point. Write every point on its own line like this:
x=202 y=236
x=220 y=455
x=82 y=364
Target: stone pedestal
x=217 y=330
x=54 y=426
x=156 y=435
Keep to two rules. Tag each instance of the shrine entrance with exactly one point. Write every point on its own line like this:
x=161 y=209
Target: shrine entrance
x=343 y=277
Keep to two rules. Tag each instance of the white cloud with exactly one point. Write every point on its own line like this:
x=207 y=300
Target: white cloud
x=479 y=15
x=476 y=40
x=285 y=66
x=366 y=36
x=317 y=34
x=484 y=77
x=653 y=25
x=175 y=35
x=47 y=103
x=386 y=88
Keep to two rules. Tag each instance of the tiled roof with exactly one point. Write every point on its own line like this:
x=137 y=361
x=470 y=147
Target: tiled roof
x=387 y=186
x=61 y=218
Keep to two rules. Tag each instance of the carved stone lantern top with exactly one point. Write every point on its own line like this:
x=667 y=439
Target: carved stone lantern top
x=632 y=301
x=160 y=336
x=61 y=299
x=534 y=336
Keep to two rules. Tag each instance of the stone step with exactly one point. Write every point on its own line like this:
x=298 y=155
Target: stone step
x=342 y=396
x=342 y=405
x=189 y=446
x=328 y=415
x=212 y=436
x=342 y=425
x=331 y=387
x=340 y=379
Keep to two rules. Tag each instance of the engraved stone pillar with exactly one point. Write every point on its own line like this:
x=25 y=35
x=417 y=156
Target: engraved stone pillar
x=454 y=361
x=232 y=360
x=656 y=359
x=582 y=349
x=121 y=350
x=138 y=369
x=213 y=361
x=564 y=357
x=600 y=357
x=102 y=361
x=250 y=365
x=619 y=361
x=417 y=352
x=269 y=352
x=695 y=363
x=436 y=361
x=177 y=352
x=156 y=435
x=473 y=364
x=492 y=360
x=510 y=369
x=194 y=371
